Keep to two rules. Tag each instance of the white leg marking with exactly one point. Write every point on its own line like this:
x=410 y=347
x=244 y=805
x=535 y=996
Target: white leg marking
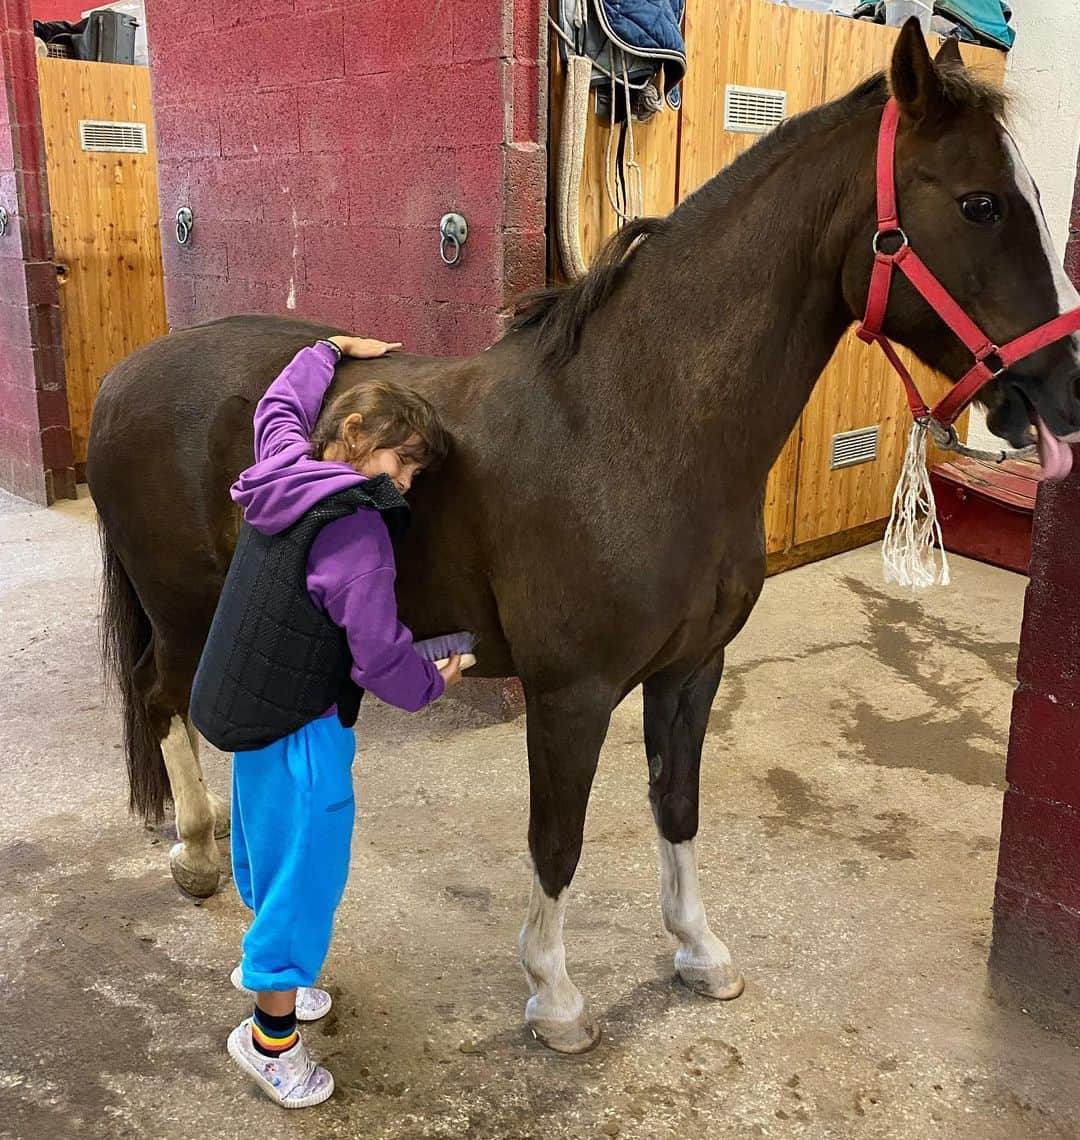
x=194 y=813
x=683 y=911
x=193 y=740
x=543 y=955
x=219 y=807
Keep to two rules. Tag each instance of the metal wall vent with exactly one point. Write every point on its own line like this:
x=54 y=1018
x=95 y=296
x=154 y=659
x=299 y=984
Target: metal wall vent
x=124 y=138
x=753 y=110
x=851 y=447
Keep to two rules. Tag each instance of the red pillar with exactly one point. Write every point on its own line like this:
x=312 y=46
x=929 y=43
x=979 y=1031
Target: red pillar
x=1035 y=957
x=35 y=438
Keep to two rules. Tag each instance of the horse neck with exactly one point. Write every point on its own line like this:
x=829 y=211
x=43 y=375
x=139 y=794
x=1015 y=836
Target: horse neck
x=730 y=316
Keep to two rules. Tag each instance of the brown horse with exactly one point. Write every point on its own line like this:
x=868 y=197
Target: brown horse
x=599 y=524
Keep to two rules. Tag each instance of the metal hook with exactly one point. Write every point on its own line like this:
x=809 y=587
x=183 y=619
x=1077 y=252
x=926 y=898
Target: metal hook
x=454 y=231
x=185 y=223
x=455 y=249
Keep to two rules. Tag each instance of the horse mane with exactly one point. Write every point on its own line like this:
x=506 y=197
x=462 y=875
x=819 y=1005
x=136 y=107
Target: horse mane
x=559 y=313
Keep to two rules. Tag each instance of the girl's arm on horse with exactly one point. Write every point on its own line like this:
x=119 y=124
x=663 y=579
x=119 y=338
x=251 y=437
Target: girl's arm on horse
x=286 y=414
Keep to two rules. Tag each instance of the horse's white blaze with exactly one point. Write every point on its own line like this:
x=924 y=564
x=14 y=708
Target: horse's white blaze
x=543 y=956
x=1067 y=296
x=683 y=911
x=194 y=814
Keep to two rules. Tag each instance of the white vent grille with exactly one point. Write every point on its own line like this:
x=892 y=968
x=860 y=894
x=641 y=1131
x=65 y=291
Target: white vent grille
x=123 y=138
x=851 y=447
x=753 y=110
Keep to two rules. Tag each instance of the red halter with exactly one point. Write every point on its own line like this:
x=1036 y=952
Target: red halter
x=990 y=360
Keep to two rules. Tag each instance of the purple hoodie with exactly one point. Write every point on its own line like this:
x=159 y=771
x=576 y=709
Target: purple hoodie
x=350 y=571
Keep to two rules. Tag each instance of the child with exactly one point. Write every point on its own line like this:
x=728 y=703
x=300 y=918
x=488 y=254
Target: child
x=306 y=615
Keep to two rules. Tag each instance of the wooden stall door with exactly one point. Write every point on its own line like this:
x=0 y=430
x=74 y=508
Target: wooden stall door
x=105 y=224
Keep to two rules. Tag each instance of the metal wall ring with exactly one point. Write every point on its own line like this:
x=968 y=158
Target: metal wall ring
x=455 y=249
x=185 y=223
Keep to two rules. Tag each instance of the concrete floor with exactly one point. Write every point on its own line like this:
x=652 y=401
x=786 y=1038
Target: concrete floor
x=851 y=791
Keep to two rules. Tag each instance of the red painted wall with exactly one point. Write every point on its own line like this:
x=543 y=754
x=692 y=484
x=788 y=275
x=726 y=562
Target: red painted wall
x=35 y=439
x=319 y=143
x=1036 y=946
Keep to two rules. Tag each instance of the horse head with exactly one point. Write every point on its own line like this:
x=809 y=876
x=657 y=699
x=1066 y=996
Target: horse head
x=966 y=204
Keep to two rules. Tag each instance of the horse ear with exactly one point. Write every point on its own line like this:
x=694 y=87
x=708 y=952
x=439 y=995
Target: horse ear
x=949 y=53
x=915 y=82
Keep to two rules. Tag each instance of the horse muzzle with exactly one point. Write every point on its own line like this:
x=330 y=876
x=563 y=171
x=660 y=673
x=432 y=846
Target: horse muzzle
x=1043 y=411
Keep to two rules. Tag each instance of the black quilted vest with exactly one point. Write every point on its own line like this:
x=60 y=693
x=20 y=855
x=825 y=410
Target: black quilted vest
x=273 y=661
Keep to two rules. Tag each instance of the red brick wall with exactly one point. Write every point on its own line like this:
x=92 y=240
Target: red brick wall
x=35 y=439
x=319 y=143
x=1036 y=947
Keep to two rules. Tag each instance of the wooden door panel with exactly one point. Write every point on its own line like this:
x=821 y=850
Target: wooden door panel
x=105 y=225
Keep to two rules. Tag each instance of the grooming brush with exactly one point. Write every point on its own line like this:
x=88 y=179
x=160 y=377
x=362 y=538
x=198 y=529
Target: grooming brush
x=441 y=649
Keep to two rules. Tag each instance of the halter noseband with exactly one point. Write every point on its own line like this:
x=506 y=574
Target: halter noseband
x=990 y=360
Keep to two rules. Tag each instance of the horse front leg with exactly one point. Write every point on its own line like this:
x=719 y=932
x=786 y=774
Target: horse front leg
x=565 y=733
x=677 y=706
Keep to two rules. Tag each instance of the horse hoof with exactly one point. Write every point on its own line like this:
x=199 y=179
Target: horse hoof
x=576 y=1036
x=198 y=881
x=721 y=983
x=222 y=820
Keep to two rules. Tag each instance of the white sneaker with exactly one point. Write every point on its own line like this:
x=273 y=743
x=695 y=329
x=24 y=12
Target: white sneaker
x=311 y=1003
x=292 y=1079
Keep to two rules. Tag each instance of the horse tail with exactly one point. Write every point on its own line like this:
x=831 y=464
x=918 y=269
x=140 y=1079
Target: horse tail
x=126 y=638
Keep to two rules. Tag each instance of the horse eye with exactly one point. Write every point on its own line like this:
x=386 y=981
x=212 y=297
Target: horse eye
x=983 y=209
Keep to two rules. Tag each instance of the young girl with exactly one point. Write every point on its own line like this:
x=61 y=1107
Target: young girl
x=308 y=614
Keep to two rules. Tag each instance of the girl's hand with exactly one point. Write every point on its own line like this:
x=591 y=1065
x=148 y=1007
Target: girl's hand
x=363 y=348
x=451 y=671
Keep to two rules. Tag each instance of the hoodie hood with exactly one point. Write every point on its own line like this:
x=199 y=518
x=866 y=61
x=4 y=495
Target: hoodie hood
x=278 y=490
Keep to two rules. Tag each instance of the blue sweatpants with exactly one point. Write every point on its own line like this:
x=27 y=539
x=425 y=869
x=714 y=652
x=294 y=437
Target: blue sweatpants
x=292 y=823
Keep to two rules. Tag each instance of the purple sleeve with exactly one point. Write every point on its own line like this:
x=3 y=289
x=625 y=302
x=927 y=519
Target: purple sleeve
x=287 y=412
x=383 y=657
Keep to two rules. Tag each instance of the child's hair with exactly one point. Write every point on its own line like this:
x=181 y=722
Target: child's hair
x=392 y=415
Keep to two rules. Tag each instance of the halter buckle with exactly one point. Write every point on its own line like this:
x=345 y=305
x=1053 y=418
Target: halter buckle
x=897 y=232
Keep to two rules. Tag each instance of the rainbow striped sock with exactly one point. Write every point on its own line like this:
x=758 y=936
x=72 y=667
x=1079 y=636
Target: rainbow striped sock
x=272 y=1035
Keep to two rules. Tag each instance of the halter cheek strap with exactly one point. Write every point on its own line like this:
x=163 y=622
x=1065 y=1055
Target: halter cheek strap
x=989 y=360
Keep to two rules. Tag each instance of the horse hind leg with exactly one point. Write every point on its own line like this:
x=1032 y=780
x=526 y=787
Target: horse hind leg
x=194 y=860
x=565 y=733
x=152 y=674
x=677 y=706
x=218 y=804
